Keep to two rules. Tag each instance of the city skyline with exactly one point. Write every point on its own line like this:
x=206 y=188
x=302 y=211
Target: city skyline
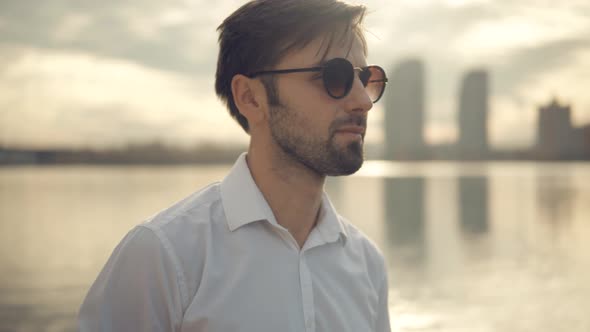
x=557 y=137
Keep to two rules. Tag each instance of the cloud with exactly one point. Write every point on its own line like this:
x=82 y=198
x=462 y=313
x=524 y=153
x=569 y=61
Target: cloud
x=167 y=35
x=66 y=98
x=529 y=64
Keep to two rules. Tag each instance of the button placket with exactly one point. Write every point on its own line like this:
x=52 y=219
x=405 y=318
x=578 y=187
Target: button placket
x=307 y=293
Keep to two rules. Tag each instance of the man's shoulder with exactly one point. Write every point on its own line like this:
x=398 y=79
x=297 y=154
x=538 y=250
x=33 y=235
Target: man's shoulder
x=201 y=209
x=359 y=241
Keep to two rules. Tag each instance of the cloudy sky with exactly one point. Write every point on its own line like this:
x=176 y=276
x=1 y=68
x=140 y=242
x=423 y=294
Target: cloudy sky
x=105 y=73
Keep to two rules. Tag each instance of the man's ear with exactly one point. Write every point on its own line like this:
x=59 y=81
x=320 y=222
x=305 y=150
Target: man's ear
x=250 y=98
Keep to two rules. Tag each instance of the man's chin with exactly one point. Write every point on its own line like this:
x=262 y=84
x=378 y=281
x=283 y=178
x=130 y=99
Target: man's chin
x=350 y=160
x=344 y=170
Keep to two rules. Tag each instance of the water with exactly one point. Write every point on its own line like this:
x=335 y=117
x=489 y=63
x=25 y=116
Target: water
x=470 y=247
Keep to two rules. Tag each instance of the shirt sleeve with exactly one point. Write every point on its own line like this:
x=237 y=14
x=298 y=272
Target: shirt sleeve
x=382 y=324
x=137 y=290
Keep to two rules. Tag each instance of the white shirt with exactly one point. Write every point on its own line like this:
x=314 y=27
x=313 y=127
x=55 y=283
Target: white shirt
x=218 y=261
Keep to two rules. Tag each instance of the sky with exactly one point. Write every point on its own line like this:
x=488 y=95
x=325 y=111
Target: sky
x=108 y=73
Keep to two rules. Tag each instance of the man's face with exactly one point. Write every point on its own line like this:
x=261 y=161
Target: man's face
x=309 y=126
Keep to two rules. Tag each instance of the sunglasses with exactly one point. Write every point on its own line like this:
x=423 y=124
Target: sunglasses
x=338 y=76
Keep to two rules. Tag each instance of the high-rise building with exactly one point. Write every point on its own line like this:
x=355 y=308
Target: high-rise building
x=556 y=136
x=473 y=115
x=404 y=114
x=584 y=134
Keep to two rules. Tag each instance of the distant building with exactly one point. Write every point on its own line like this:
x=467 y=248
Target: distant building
x=580 y=148
x=585 y=134
x=473 y=116
x=556 y=136
x=404 y=114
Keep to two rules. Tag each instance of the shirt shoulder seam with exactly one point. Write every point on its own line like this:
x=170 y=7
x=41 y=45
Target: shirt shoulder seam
x=166 y=216
x=175 y=261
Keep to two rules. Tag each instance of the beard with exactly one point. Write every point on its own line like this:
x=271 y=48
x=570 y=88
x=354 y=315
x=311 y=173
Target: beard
x=323 y=156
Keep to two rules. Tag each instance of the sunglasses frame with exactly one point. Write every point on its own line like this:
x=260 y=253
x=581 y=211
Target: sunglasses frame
x=321 y=68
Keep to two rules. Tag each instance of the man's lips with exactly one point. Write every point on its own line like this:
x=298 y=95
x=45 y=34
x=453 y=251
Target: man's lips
x=352 y=130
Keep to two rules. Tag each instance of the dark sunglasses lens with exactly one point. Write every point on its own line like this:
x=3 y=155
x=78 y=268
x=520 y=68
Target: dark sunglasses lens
x=374 y=83
x=338 y=77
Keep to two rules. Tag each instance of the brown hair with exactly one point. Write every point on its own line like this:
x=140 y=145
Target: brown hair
x=260 y=33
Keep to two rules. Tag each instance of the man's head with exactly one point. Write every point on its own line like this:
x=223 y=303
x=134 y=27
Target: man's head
x=296 y=112
x=257 y=35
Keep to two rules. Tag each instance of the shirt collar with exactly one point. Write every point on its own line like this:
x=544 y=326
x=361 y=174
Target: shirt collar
x=243 y=203
x=330 y=224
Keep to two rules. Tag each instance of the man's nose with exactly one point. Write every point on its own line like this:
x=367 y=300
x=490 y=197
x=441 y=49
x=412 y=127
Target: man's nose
x=358 y=97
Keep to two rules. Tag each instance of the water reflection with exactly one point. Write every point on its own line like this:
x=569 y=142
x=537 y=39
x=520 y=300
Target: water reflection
x=473 y=205
x=31 y=318
x=555 y=197
x=404 y=214
x=496 y=248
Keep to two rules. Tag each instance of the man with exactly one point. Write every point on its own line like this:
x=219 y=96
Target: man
x=264 y=250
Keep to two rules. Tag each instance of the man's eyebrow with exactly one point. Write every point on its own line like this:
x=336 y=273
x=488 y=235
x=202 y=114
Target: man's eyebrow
x=321 y=63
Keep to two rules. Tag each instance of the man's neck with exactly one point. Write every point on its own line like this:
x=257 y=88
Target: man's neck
x=293 y=191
